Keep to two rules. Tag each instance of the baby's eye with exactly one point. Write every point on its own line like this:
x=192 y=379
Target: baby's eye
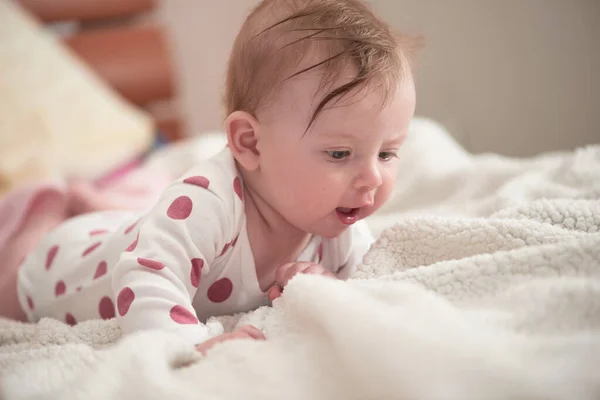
x=338 y=154
x=387 y=155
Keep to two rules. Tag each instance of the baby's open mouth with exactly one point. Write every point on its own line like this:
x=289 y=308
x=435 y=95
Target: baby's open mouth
x=348 y=216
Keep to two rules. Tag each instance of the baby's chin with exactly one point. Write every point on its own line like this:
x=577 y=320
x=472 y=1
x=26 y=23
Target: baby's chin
x=335 y=223
x=330 y=232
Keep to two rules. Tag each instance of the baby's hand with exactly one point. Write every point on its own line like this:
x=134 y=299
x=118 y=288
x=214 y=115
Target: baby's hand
x=287 y=271
x=245 y=332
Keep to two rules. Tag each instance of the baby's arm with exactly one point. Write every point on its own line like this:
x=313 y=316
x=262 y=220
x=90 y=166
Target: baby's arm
x=156 y=279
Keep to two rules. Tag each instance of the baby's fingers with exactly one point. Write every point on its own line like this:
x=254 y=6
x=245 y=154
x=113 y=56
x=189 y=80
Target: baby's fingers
x=301 y=268
x=274 y=292
x=283 y=273
x=252 y=331
x=315 y=270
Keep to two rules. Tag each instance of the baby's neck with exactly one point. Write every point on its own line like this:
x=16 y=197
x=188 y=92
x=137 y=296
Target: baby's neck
x=266 y=220
x=274 y=241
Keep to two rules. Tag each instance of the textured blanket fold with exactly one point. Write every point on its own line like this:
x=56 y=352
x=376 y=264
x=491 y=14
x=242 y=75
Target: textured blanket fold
x=491 y=292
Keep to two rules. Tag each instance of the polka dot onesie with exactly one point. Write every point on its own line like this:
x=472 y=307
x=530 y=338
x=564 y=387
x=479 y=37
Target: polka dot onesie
x=185 y=260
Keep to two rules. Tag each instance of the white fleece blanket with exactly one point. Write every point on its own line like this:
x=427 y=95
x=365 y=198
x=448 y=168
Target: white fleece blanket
x=483 y=284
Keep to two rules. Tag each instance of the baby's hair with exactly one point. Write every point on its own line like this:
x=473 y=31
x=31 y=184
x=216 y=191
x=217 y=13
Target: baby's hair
x=279 y=34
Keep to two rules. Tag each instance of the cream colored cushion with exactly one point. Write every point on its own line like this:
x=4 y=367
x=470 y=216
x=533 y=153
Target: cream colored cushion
x=57 y=119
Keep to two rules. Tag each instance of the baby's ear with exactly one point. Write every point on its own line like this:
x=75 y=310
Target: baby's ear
x=242 y=137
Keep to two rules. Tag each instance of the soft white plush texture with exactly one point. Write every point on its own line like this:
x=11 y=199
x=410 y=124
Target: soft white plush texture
x=484 y=284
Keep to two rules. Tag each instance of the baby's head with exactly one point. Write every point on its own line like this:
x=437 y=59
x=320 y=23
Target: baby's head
x=319 y=96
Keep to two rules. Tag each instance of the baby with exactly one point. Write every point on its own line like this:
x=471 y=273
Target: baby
x=319 y=97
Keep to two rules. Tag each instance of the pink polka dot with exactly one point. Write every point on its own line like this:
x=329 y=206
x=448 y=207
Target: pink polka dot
x=96 y=232
x=197 y=264
x=133 y=245
x=144 y=262
x=106 y=308
x=124 y=300
x=237 y=187
x=70 y=319
x=182 y=315
x=130 y=227
x=198 y=181
x=180 y=208
x=220 y=291
x=100 y=269
x=320 y=252
x=30 y=303
x=90 y=249
x=60 y=288
x=78 y=289
x=50 y=256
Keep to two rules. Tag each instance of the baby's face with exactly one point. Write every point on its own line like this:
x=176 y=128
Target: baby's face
x=344 y=167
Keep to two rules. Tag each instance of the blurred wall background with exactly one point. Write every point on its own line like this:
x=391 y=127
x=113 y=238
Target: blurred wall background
x=516 y=77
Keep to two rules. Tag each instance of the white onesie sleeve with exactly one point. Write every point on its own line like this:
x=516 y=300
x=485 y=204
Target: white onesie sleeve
x=354 y=243
x=156 y=278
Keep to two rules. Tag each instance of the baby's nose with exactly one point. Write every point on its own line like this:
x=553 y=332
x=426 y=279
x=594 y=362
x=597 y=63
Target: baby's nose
x=368 y=198
x=369 y=178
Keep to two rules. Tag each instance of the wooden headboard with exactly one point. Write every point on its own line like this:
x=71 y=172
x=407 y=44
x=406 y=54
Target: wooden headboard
x=128 y=52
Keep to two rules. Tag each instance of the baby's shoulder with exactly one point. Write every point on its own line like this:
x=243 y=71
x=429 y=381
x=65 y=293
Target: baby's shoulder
x=214 y=184
x=217 y=175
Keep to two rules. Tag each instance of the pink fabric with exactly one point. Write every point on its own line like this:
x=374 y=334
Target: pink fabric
x=15 y=205
x=118 y=174
x=135 y=188
x=132 y=189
